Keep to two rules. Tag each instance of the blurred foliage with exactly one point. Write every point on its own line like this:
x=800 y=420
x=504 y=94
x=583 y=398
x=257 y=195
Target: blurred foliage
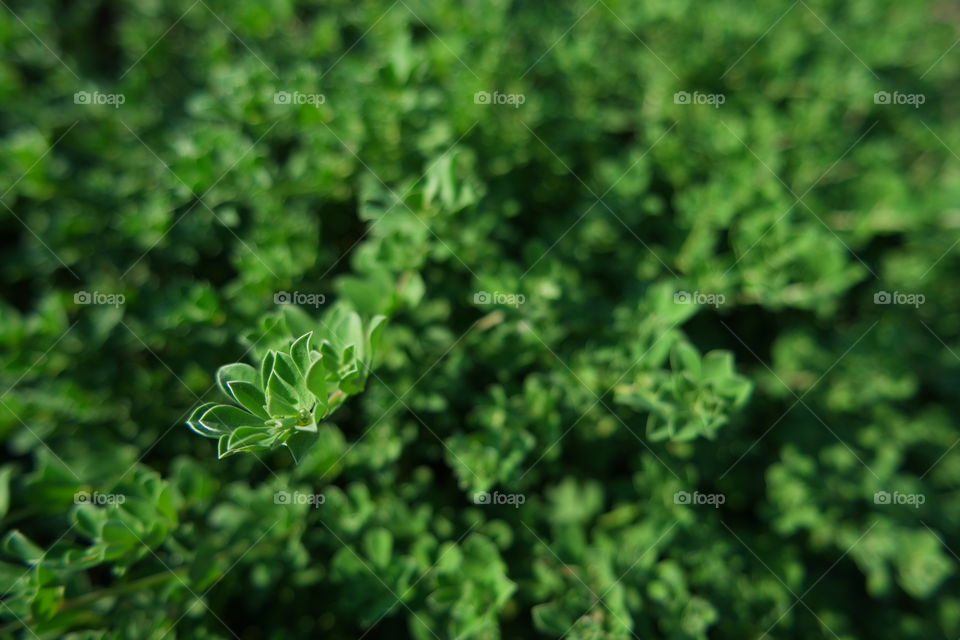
x=601 y=301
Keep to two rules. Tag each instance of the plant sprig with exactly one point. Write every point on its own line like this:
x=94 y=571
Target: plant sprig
x=281 y=402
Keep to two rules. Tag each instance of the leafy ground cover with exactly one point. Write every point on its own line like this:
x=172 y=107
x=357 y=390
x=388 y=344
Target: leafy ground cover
x=595 y=320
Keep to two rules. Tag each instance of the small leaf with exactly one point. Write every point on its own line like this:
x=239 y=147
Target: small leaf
x=685 y=357
x=353 y=382
x=378 y=545
x=281 y=399
x=222 y=449
x=285 y=367
x=224 y=418
x=300 y=444
x=374 y=336
x=250 y=396
x=19 y=546
x=236 y=371
x=5 y=474
x=89 y=520
x=248 y=436
x=266 y=367
x=330 y=356
x=194 y=420
x=317 y=384
x=115 y=532
x=349 y=354
x=300 y=352
x=47 y=602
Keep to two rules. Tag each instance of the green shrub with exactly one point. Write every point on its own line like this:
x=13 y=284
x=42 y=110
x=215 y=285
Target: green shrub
x=672 y=339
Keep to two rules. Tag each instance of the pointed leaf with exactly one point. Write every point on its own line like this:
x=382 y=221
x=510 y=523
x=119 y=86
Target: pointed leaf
x=317 y=383
x=250 y=396
x=236 y=371
x=374 y=334
x=300 y=352
x=247 y=436
x=281 y=399
x=300 y=444
x=285 y=367
x=266 y=366
x=224 y=418
x=330 y=356
x=222 y=450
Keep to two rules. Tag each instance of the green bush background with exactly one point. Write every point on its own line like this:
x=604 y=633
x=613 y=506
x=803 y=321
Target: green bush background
x=598 y=199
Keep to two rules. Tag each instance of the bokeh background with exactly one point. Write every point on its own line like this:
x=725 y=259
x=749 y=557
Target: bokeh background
x=674 y=331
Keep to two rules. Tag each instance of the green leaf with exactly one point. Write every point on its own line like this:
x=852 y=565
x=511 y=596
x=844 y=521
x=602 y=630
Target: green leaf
x=250 y=396
x=353 y=381
x=222 y=449
x=374 y=337
x=266 y=367
x=19 y=546
x=300 y=352
x=5 y=472
x=685 y=357
x=378 y=546
x=249 y=436
x=117 y=533
x=331 y=359
x=237 y=371
x=286 y=368
x=224 y=418
x=194 y=420
x=47 y=602
x=300 y=444
x=281 y=398
x=345 y=328
x=317 y=384
x=349 y=355
x=89 y=520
